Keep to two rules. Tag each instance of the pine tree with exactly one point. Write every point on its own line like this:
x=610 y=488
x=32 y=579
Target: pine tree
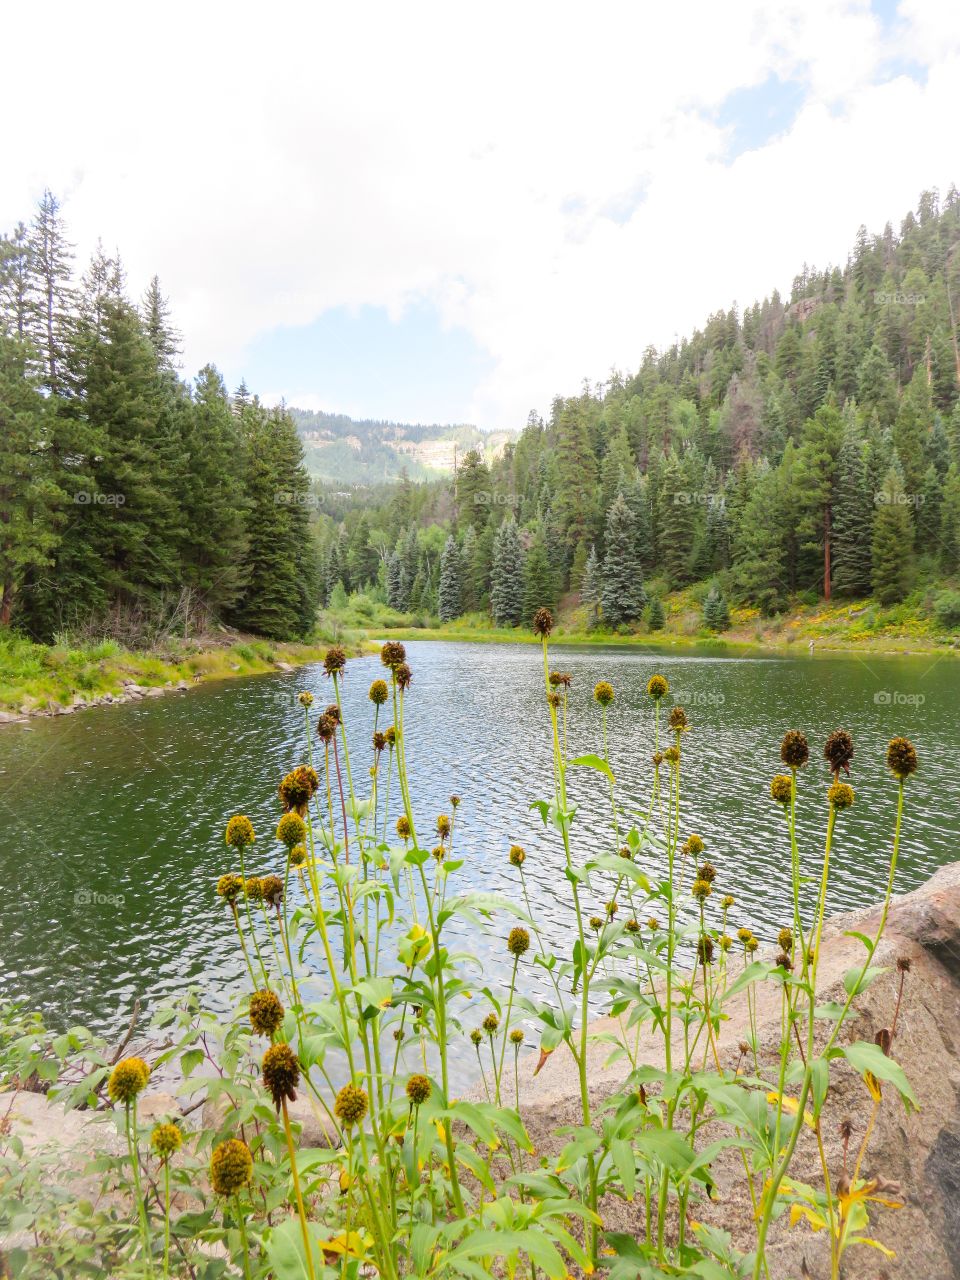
x=506 y=583
x=449 y=601
x=816 y=481
x=716 y=614
x=623 y=593
x=395 y=592
x=892 y=541
x=538 y=582
x=759 y=552
x=469 y=595
x=362 y=558
x=676 y=525
x=655 y=615
x=51 y=293
x=473 y=490
x=15 y=283
x=591 y=589
x=163 y=337
x=852 y=514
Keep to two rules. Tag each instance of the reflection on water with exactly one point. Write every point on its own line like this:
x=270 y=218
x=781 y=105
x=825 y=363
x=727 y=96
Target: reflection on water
x=111 y=821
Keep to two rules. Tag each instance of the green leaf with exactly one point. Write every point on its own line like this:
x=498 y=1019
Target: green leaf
x=850 y=977
x=593 y=762
x=755 y=972
x=621 y=1152
x=864 y=1056
x=667 y=1146
x=820 y=1073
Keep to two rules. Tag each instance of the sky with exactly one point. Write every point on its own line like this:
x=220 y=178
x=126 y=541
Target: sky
x=453 y=212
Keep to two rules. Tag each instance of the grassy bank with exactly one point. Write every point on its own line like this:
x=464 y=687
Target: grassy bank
x=35 y=678
x=861 y=626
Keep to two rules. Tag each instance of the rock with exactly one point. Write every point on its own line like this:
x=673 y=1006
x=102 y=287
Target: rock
x=154 y=693
x=301 y=1112
x=284 y=666
x=183 y=685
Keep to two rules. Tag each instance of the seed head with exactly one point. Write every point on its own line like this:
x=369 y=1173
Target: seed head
x=560 y=679
x=231 y=1167
x=653 y=924
x=166 y=1139
x=707 y=872
x=632 y=926
x=784 y=961
x=516 y=1036
x=903 y=964
x=657 y=759
x=846 y=1129
x=476 y=1036
x=554 y=700
x=403 y=827
x=657 y=687
x=272 y=889
x=326 y=728
x=744 y=934
x=334 y=660
x=840 y=795
x=624 y=852
x=901 y=757
x=403 y=675
x=542 y=623
x=391 y=736
x=751 y=945
x=298 y=855
x=596 y=923
x=611 y=908
x=672 y=756
x=443 y=826
x=379 y=741
x=785 y=939
x=490 y=1023
x=128 y=1078
x=692 y=845
x=291 y=830
x=240 y=832
x=378 y=693
x=705 y=950
x=305 y=699
x=678 y=720
x=603 y=693
x=517 y=855
x=518 y=942
x=726 y=942
x=454 y=802
x=781 y=788
x=230 y=887
x=281 y=1073
x=702 y=890
x=727 y=901
x=838 y=751
x=253 y=888
x=266 y=1012
x=794 y=749
x=333 y=711
x=297 y=788
x=392 y=654
x=418 y=1090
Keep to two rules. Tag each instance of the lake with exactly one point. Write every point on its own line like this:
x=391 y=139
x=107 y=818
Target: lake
x=112 y=820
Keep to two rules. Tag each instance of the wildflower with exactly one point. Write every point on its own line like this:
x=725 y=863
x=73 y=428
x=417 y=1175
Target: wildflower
x=727 y=901
x=439 y=852
x=378 y=693
x=326 y=728
x=751 y=945
x=560 y=679
x=726 y=942
x=398 y=1034
x=678 y=720
x=166 y=1139
x=542 y=623
x=518 y=942
x=781 y=788
x=403 y=675
x=490 y=1023
x=443 y=826
x=603 y=693
x=840 y=795
x=743 y=1047
x=846 y=1129
x=611 y=908
x=516 y=1036
x=596 y=922
x=657 y=687
x=794 y=749
x=784 y=962
x=266 y=1012
x=391 y=736
x=291 y=830
x=253 y=888
x=333 y=712
x=392 y=654
x=672 y=755
x=231 y=1167
x=297 y=788
x=901 y=757
x=903 y=964
x=554 y=700
x=785 y=939
x=418 y=1090
x=229 y=887
x=379 y=741
x=240 y=832
x=305 y=699
x=838 y=751
x=653 y=924
x=702 y=890
x=624 y=852
x=692 y=845
x=744 y=934
x=476 y=1037
x=298 y=855
x=334 y=660
x=403 y=827
x=657 y=759
x=272 y=889
x=632 y=926
x=281 y=1073
x=705 y=950
x=517 y=855
x=454 y=802
x=707 y=872
x=128 y=1078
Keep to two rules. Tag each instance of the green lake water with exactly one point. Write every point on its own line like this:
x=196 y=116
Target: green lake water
x=111 y=821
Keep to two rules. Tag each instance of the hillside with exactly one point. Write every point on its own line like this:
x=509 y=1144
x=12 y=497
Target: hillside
x=365 y=451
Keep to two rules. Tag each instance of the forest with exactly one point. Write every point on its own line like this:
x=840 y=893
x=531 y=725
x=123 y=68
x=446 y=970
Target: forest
x=800 y=450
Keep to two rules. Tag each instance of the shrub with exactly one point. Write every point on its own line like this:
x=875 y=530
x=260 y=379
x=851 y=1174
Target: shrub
x=947 y=609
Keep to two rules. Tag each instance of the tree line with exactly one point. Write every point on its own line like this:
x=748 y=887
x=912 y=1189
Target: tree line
x=132 y=502
x=804 y=449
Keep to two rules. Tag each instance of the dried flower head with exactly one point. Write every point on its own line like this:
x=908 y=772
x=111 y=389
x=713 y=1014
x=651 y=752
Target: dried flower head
x=517 y=855
x=846 y=1128
x=657 y=759
x=702 y=890
x=334 y=660
x=230 y=887
x=253 y=888
x=903 y=964
x=378 y=692
x=326 y=728
x=272 y=888
x=611 y=908
x=398 y=1034
x=727 y=901
x=657 y=687
x=603 y=693
x=653 y=924
x=476 y=1037
x=391 y=736
x=632 y=926
x=516 y=1036
x=291 y=830
x=438 y=852
x=128 y=1078
x=418 y=1090
x=705 y=950
x=785 y=939
x=794 y=749
x=554 y=700
x=454 y=802
x=560 y=679
x=840 y=795
x=744 y=934
x=672 y=756
x=596 y=923
x=625 y=853
x=443 y=826
x=297 y=788
x=542 y=623
x=751 y=945
x=901 y=757
x=783 y=961
x=403 y=827
x=490 y=1023
x=231 y=1167
x=281 y=1073
x=266 y=1012
x=392 y=654
x=518 y=942
x=333 y=711
x=298 y=855
x=305 y=699
x=678 y=720
x=707 y=872
x=403 y=675
x=726 y=942
x=838 y=751
x=240 y=832
x=379 y=741
x=166 y=1139
x=692 y=845
x=781 y=788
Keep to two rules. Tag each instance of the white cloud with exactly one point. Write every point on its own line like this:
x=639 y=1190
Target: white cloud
x=271 y=163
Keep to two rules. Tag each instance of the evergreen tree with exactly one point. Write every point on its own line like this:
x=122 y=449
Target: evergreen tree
x=816 y=482
x=853 y=514
x=473 y=490
x=15 y=283
x=623 y=593
x=591 y=589
x=163 y=337
x=716 y=614
x=892 y=541
x=759 y=551
x=506 y=583
x=675 y=533
x=395 y=592
x=538 y=582
x=449 y=600
x=51 y=295
x=655 y=616
x=469 y=594
x=362 y=558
